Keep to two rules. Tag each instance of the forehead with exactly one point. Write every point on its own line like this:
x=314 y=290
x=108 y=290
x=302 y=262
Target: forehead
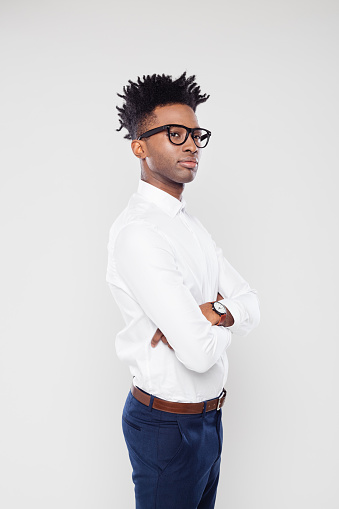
x=175 y=114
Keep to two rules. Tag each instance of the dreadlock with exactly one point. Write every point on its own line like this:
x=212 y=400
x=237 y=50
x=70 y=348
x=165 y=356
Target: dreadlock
x=157 y=90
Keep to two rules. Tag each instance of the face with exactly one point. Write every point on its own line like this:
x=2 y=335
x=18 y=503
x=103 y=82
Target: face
x=162 y=162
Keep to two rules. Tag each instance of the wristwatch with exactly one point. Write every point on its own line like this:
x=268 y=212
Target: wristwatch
x=220 y=309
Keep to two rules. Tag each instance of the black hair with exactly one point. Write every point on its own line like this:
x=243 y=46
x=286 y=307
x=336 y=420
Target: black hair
x=157 y=90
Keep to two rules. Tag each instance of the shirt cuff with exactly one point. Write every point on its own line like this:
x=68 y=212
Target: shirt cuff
x=237 y=311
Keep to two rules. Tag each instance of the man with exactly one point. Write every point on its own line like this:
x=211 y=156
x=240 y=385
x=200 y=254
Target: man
x=181 y=301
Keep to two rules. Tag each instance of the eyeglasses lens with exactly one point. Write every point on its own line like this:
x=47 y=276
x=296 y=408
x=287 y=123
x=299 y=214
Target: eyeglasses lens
x=177 y=136
x=201 y=137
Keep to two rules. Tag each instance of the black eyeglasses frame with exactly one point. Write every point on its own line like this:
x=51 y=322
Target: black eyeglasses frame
x=189 y=131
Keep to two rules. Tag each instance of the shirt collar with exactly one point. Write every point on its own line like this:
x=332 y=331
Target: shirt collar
x=163 y=200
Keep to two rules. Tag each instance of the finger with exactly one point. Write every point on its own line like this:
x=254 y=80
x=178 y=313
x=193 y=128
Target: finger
x=164 y=340
x=156 y=338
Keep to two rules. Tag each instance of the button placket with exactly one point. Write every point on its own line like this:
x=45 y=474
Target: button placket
x=200 y=250
x=182 y=216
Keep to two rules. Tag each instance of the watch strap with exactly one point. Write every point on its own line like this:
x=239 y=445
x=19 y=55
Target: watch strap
x=221 y=318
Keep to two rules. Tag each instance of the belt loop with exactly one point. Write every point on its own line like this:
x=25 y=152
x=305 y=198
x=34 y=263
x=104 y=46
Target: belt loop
x=204 y=410
x=151 y=403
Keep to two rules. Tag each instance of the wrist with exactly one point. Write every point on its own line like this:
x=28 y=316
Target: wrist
x=225 y=318
x=220 y=311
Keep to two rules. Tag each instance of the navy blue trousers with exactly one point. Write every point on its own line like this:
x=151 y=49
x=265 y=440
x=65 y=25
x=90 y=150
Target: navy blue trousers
x=175 y=458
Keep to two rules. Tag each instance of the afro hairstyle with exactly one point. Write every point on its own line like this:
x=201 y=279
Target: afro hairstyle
x=142 y=97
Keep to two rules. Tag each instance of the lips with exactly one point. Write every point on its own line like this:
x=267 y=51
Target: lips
x=189 y=162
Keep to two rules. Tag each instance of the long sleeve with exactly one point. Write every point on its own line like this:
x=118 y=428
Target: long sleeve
x=239 y=298
x=146 y=263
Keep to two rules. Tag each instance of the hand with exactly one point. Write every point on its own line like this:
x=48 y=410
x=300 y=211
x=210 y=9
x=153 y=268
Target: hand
x=209 y=313
x=158 y=336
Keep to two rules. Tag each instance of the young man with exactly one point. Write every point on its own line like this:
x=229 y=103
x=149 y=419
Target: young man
x=181 y=301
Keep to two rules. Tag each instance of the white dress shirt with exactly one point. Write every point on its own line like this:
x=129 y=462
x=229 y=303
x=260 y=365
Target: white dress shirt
x=162 y=264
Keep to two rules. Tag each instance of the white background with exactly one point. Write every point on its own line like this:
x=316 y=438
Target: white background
x=266 y=190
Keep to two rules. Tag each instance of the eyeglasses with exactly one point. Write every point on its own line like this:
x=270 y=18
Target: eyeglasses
x=178 y=134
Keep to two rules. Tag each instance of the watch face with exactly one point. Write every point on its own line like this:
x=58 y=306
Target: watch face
x=219 y=307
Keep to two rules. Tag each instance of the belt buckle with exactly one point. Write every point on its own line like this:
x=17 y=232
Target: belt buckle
x=222 y=395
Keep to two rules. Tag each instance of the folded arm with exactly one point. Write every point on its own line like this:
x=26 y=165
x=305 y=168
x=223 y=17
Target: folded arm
x=208 y=313
x=146 y=263
x=239 y=298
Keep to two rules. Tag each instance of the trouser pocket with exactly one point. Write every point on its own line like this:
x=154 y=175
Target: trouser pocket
x=169 y=444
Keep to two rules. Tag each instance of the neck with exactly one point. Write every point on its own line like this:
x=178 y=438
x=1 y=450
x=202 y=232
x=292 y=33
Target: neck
x=173 y=188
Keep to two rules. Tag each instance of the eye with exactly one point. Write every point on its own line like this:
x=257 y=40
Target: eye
x=177 y=134
x=198 y=135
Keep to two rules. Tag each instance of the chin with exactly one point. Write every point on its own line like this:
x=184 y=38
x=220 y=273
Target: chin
x=186 y=178
x=190 y=178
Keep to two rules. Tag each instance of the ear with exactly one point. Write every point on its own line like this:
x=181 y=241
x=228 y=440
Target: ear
x=139 y=148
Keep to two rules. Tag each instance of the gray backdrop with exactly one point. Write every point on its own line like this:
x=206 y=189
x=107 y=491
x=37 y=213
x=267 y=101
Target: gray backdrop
x=266 y=190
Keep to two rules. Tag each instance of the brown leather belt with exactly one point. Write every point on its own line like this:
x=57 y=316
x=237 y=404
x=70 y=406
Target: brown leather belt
x=179 y=408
